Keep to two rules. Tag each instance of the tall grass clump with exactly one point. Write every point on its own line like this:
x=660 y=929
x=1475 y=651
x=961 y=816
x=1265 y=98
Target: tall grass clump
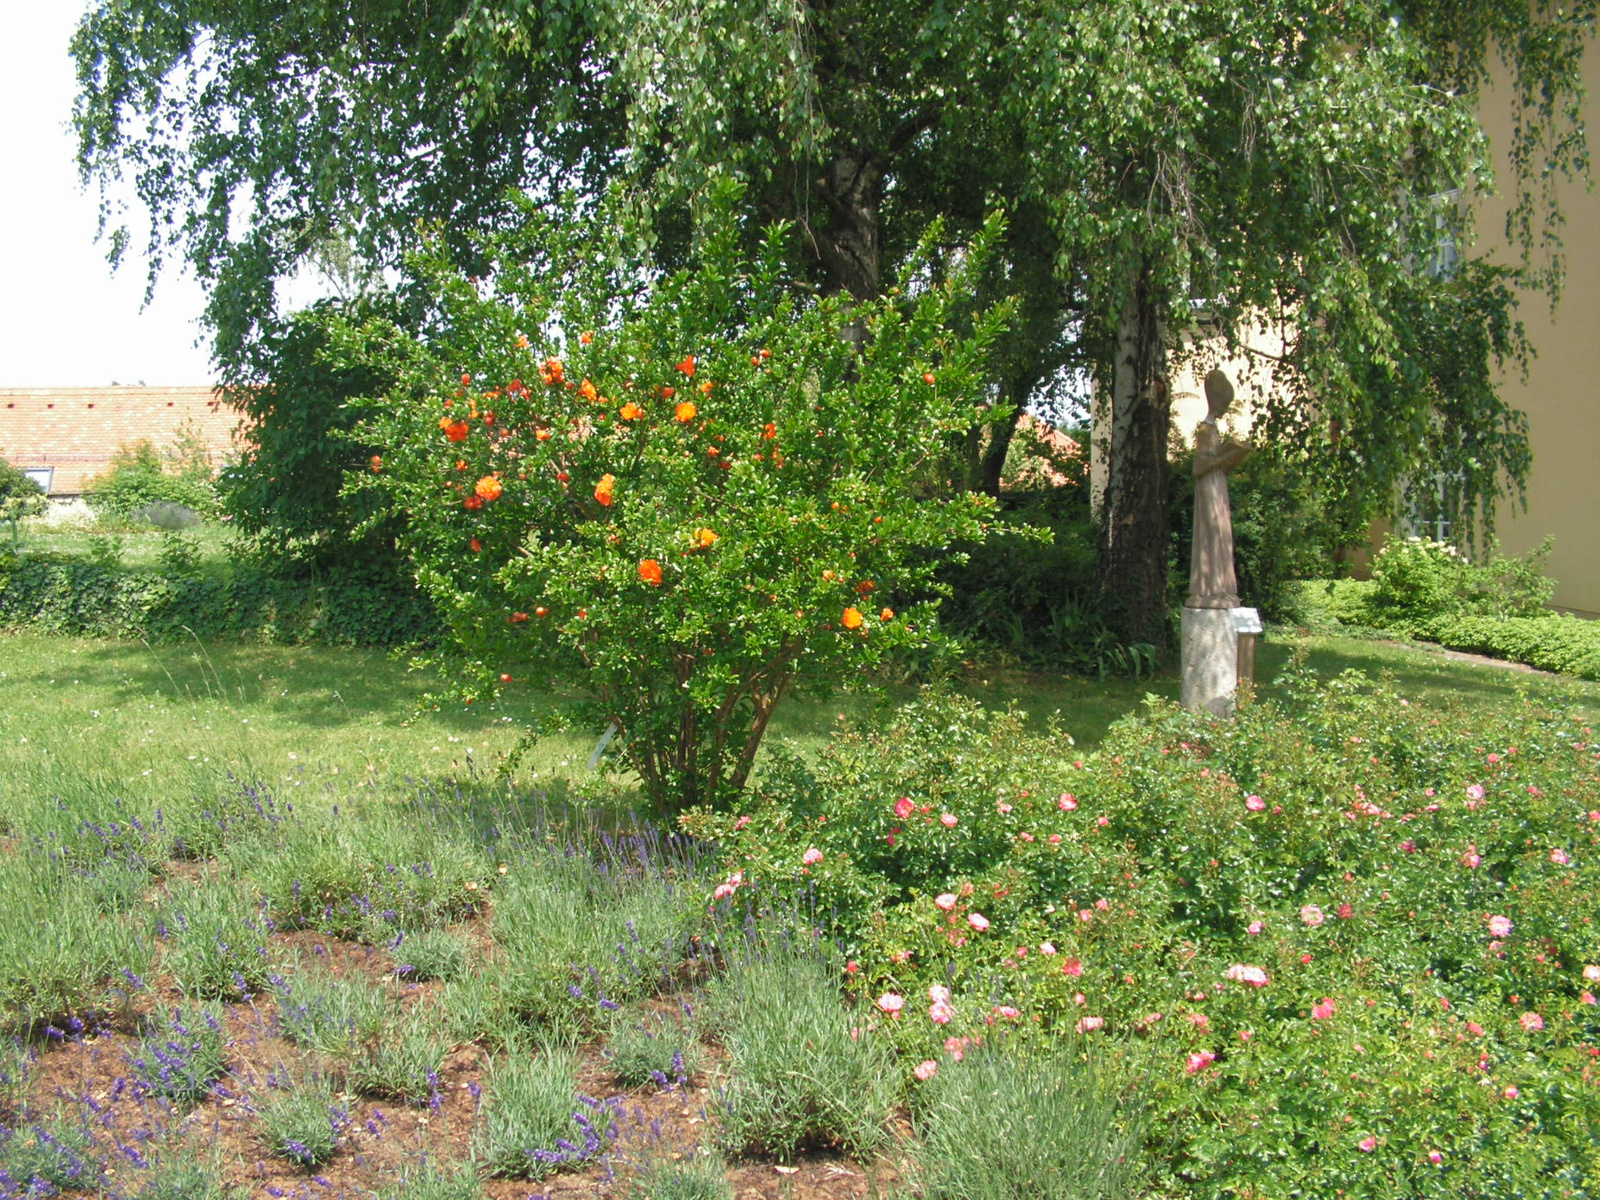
x=430 y=954
x=401 y=1063
x=42 y=1159
x=303 y=1122
x=1002 y=1124
x=214 y=937
x=699 y=1176
x=804 y=1070
x=319 y=1012
x=429 y=1181
x=535 y=1122
x=653 y=1048
x=184 y=1054
x=353 y=868
x=582 y=934
x=185 y=1175
x=60 y=952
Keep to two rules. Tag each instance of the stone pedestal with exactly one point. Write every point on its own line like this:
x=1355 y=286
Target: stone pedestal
x=1210 y=660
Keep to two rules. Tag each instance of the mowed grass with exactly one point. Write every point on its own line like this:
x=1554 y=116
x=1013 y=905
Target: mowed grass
x=148 y=720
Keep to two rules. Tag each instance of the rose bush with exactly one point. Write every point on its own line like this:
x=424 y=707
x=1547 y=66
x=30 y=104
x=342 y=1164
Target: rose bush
x=1344 y=943
x=681 y=494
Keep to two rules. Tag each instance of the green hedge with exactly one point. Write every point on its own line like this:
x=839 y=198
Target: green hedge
x=1567 y=645
x=74 y=597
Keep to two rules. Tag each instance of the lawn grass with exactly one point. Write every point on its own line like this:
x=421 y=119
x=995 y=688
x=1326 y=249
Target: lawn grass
x=145 y=720
x=136 y=545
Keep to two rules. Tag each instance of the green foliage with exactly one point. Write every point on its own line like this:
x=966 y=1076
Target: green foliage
x=184 y=1054
x=100 y=599
x=284 y=493
x=214 y=939
x=534 y=1121
x=702 y=1175
x=1002 y=1123
x=681 y=501
x=20 y=498
x=1286 y=916
x=303 y=1122
x=429 y=1181
x=139 y=476
x=320 y=1012
x=653 y=1048
x=805 y=1070
x=1416 y=581
x=15 y=1061
x=431 y=954
x=185 y=1176
x=400 y=1063
x=47 y=1158
x=1564 y=644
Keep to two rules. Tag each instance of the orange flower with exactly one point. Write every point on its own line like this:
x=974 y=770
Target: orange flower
x=852 y=618
x=489 y=488
x=604 y=490
x=769 y=431
x=473 y=502
x=517 y=618
x=631 y=411
x=927 y=378
x=685 y=412
x=865 y=586
x=377 y=463
x=522 y=341
x=705 y=388
x=465 y=380
x=586 y=336
x=650 y=572
x=456 y=431
x=702 y=539
x=551 y=372
x=476 y=545
x=588 y=392
x=540 y=612
x=886 y=615
x=542 y=434
x=687 y=366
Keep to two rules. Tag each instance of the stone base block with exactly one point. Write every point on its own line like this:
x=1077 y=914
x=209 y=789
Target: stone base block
x=1210 y=651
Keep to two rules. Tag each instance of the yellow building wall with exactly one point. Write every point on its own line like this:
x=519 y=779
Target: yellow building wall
x=1562 y=392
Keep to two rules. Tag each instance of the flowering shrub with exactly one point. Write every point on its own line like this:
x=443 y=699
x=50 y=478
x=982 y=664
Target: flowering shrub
x=1342 y=943
x=1417 y=582
x=681 y=494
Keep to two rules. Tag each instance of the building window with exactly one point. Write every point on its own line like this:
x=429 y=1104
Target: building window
x=42 y=476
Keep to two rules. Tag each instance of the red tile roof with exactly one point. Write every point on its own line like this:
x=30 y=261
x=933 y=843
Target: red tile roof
x=77 y=430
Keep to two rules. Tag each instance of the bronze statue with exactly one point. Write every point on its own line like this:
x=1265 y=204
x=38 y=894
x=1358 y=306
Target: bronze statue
x=1212 y=582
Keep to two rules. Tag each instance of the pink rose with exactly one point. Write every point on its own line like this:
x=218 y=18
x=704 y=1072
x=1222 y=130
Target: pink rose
x=1066 y=802
x=1586 y=998
x=812 y=855
x=1006 y=1011
x=1368 y=1144
x=978 y=921
x=1592 y=972
x=1199 y=1061
x=1531 y=1021
x=948 y=820
x=926 y=1070
x=1254 y=803
x=1470 y=858
x=956 y=1047
x=1512 y=1093
x=945 y=900
x=1435 y=1157
x=1559 y=857
x=1254 y=928
x=1323 y=1010
x=1046 y=948
x=1475 y=791
x=1085 y=1024
x=891 y=1003
x=941 y=1013
x=903 y=807
x=1499 y=926
x=1072 y=966
x=1312 y=915
x=1243 y=973
x=938 y=993
x=1200 y=1021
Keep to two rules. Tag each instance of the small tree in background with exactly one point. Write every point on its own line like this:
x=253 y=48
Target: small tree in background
x=141 y=476
x=681 y=495
x=20 y=497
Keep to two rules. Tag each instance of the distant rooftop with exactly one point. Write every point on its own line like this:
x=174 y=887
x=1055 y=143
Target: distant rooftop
x=72 y=433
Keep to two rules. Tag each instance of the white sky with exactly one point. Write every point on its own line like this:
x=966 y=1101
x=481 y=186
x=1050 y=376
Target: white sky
x=65 y=319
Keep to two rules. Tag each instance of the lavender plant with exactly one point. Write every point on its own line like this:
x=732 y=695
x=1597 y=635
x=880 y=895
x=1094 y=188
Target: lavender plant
x=325 y=1014
x=702 y=1175
x=535 y=1122
x=1002 y=1125
x=15 y=1060
x=184 y=1055
x=653 y=1048
x=303 y=1122
x=401 y=1063
x=805 y=1071
x=185 y=1176
x=430 y=954
x=40 y=1159
x=214 y=939
x=429 y=1181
